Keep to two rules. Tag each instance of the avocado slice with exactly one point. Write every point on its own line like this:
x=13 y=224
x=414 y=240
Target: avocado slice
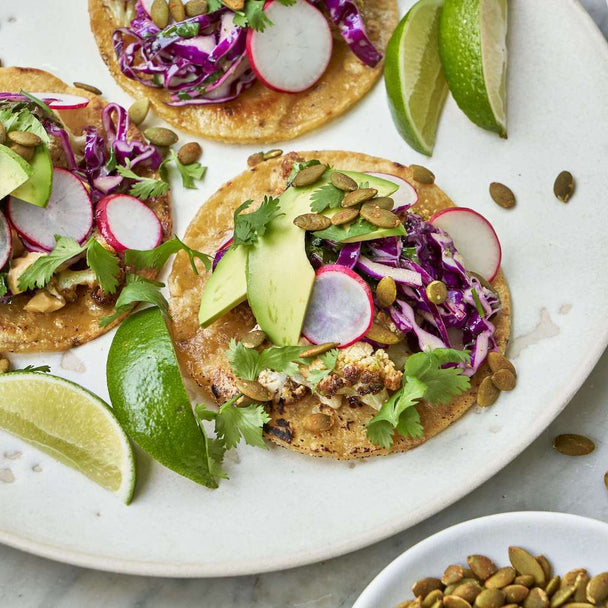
x=13 y=169
x=37 y=189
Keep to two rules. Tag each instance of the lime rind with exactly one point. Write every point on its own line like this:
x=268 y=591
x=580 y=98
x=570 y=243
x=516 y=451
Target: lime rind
x=72 y=425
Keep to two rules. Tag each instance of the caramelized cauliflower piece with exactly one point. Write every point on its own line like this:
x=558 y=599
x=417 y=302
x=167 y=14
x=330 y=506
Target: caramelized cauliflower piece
x=283 y=388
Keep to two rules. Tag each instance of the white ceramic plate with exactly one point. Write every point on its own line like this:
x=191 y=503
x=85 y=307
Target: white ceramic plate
x=568 y=541
x=280 y=509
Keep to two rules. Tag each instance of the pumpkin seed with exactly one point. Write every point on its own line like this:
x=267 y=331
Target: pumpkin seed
x=194 y=8
x=317 y=349
x=189 y=153
x=344 y=216
x=571 y=577
x=483 y=567
x=343 y=181
x=502 y=195
x=405 y=604
x=386 y=292
x=381 y=218
x=255 y=159
x=578 y=605
x=438 y=603
x=525 y=563
x=580 y=592
x=561 y=596
x=484 y=281
x=498 y=361
x=139 y=110
x=422 y=175
x=541 y=559
x=490 y=598
x=572 y=444
x=516 y=593
x=454 y=601
x=432 y=597
x=88 y=87
x=312 y=222
x=2 y=133
x=274 y=153
x=24 y=138
x=384 y=202
x=381 y=334
x=254 y=338
x=25 y=152
x=253 y=390
x=606 y=479
x=160 y=136
x=487 y=393
x=309 y=175
x=318 y=423
x=425 y=585
x=235 y=5
x=504 y=380
x=597 y=589
x=358 y=196
x=436 y=292
x=501 y=578
x=537 y=598
x=453 y=573
x=450 y=589
x=468 y=573
x=177 y=10
x=468 y=591
x=563 y=188
x=511 y=606
x=552 y=585
x=527 y=580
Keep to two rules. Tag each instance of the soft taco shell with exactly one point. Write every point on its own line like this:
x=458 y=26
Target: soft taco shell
x=77 y=322
x=260 y=115
x=201 y=351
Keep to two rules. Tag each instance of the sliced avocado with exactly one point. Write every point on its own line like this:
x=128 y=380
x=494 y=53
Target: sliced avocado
x=13 y=169
x=384 y=186
x=226 y=287
x=37 y=189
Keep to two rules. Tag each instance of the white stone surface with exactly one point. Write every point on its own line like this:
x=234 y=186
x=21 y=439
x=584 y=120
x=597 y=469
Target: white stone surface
x=539 y=479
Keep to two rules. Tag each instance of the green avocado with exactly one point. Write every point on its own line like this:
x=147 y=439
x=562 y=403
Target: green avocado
x=13 y=169
x=37 y=189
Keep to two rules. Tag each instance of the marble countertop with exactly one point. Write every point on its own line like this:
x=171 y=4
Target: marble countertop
x=539 y=479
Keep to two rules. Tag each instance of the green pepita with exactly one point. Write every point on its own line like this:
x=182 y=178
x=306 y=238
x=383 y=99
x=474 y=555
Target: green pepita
x=434 y=596
x=537 y=598
x=541 y=559
x=422 y=175
x=501 y=578
x=572 y=444
x=317 y=349
x=454 y=601
x=527 y=580
x=177 y=10
x=379 y=217
x=578 y=605
x=383 y=335
x=525 y=563
x=344 y=216
x=343 y=181
x=504 y=380
x=253 y=389
x=580 y=591
x=561 y=596
x=311 y=222
x=563 y=188
x=453 y=573
x=424 y=586
x=487 y=393
x=309 y=175
x=25 y=152
x=597 y=589
x=254 y=338
x=571 y=577
x=358 y=196
x=160 y=136
x=384 y=202
x=502 y=195
x=490 y=598
x=437 y=292
x=24 y=138
x=88 y=87
x=386 y=292
x=139 y=110
x=468 y=591
x=189 y=153
x=498 y=361
x=318 y=423
x=483 y=567
x=552 y=585
x=274 y=153
x=194 y=8
x=606 y=479
x=516 y=594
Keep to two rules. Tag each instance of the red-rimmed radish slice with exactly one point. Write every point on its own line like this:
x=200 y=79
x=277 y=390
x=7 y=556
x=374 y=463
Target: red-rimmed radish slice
x=31 y=247
x=474 y=238
x=69 y=212
x=128 y=223
x=6 y=241
x=340 y=308
x=405 y=197
x=293 y=54
x=63 y=101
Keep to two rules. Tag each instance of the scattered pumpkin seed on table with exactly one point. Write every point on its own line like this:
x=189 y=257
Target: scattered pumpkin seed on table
x=606 y=479
x=504 y=380
x=487 y=393
x=571 y=444
x=255 y=159
x=139 y=110
x=160 y=136
x=189 y=153
x=502 y=195
x=563 y=187
x=309 y=175
x=526 y=563
x=422 y=175
x=498 y=361
x=452 y=574
x=424 y=586
x=455 y=601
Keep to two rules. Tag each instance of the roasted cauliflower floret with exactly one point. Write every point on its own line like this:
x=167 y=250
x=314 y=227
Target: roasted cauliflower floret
x=283 y=388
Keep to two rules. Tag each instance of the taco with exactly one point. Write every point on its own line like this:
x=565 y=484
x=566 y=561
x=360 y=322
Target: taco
x=198 y=72
x=323 y=406
x=54 y=206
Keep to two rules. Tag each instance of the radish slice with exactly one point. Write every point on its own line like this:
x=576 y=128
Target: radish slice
x=474 y=238
x=340 y=308
x=405 y=197
x=6 y=241
x=31 y=247
x=63 y=101
x=293 y=54
x=69 y=212
x=128 y=223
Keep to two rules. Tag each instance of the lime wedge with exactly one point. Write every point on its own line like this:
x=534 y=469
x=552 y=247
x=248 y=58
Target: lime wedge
x=472 y=44
x=149 y=398
x=71 y=424
x=413 y=75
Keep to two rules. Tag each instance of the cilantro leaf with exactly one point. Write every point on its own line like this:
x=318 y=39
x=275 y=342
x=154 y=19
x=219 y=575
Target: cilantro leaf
x=104 y=264
x=45 y=369
x=3 y=285
x=280 y=358
x=324 y=197
x=359 y=228
x=215 y=456
x=253 y=15
x=38 y=102
x=189 y=173
x=137 y=289
x=329 y=360
x=156 y=258
x=247 y=363
x=144 y=187
x=298 y=166
x=249 y=226
x=214 y=5
x=409 y=424
x=232 y=423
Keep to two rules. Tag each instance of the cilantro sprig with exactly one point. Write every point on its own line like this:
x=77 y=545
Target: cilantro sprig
x=424 y=377
x=252 y=15
x=3 y=285
x=247 y=363
x=249 y=226
x=327 y=196
x=156 y=258
x=189 y=173
x=329 y=360
x=143 y=188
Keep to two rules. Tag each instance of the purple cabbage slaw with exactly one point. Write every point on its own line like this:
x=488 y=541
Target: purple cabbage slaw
x=203 y=60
